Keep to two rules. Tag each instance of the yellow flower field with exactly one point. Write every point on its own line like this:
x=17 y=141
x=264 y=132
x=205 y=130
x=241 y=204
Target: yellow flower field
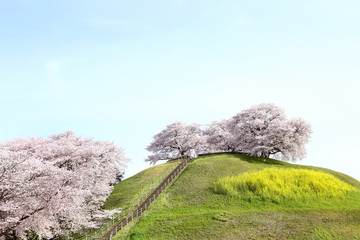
x=279 y=184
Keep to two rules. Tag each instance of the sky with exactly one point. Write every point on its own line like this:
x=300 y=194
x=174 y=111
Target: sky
x=123 y=70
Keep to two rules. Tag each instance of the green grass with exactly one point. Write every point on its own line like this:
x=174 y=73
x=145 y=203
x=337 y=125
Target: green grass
x=127 y=192
x=190 y=209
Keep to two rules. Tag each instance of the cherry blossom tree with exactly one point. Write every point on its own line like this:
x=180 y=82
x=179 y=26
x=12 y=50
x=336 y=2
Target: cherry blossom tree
x=56 y=185
x=219 y=137
x=293 y=140
x=176 y=140
x=263 y=130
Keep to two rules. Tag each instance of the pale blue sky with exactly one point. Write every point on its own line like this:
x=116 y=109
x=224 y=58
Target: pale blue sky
x=123 y=70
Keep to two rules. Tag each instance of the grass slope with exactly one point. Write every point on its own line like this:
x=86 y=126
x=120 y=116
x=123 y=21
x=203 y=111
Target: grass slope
x=190 y=209
x=127 y=192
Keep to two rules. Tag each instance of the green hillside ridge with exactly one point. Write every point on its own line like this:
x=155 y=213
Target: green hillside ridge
x=190 y=209
x=127 y=192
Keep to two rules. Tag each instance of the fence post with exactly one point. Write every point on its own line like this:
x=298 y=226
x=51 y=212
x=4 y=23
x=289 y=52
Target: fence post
x=159 y=185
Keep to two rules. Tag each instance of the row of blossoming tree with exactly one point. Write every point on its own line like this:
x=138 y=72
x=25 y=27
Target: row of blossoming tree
x=262 y=131
x=51 y=187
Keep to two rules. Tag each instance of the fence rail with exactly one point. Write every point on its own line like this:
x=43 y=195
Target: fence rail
x=141 y=205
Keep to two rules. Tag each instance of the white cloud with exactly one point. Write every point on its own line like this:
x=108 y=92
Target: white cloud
x=179 y=2
x=54 y=77
x=102 y=22
x=52 y=66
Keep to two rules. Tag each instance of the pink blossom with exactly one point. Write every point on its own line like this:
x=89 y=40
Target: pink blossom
x=56 y=185
x=177 y=139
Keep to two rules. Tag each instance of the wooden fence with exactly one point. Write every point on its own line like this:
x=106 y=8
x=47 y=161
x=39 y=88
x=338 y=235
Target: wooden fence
x=142 y=203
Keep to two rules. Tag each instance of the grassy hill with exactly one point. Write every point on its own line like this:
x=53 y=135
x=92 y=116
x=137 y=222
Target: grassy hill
x=190 y=208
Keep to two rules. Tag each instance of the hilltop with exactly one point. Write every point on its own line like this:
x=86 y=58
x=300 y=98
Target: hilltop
x=190 y=209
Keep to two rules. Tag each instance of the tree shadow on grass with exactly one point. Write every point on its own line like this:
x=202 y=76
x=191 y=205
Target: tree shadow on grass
x=256 y=160
x=245 y=157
